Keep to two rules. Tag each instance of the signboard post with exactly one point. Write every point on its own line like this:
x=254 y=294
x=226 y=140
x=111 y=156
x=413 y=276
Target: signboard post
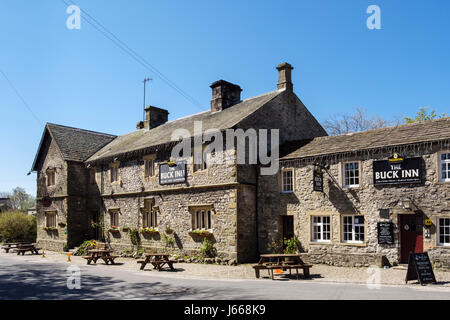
x=420 y=268
x=385 y=232
x=172 y=174
x=404 y=171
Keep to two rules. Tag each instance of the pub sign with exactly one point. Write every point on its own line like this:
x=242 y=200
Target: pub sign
x=318 y=180
x=397 y=172
x=170 y=174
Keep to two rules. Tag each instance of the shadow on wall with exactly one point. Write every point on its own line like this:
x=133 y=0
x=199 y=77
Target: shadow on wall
x=340 y=200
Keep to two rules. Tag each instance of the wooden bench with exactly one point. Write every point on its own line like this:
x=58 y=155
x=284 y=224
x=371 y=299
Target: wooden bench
x=107 y=259
x=158 y=262
x=304 y=267
x=13 y=246
x=32 y=249
x=259 y=267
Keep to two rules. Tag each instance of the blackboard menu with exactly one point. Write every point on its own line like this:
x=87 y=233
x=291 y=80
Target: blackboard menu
x=420 y=268
x=385 y=233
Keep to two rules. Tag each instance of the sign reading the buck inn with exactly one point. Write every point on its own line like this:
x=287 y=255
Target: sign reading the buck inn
x=172 y=174
x=397 y=171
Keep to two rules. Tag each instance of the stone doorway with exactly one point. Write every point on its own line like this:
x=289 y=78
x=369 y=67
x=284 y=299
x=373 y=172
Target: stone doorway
x=411 y=235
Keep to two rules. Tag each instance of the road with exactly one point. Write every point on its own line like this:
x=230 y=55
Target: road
x=32 y=279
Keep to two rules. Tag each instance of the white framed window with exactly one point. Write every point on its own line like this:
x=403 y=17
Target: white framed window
x=444 y=167
x=50 y=219
x=149 y=217
x=321 y=228
x=353 y=229
x=444 y=231
x=201 y=219
x=351 y=174
x=287 y=180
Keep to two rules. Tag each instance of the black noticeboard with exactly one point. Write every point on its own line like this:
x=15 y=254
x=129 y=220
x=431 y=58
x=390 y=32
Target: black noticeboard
x=317 y=181
x=420 y=268
x=385 y=232
x=407 y=171
x=172 y=174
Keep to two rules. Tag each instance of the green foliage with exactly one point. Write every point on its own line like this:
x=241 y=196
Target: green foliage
x=292 y=245
x=208 y=249
x=17 y=227
x=276 y=247
x=134 y=237
x=423 y=114
x=20 y=199
x=168 y=241
x=85 y=246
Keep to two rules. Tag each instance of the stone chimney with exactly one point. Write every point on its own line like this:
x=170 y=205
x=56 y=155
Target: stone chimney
x=154 y=117
x=284 y=77
x=224 y=95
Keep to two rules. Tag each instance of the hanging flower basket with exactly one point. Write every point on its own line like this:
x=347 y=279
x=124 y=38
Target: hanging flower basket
x=114 y=229
x=50 y=228
x=169 y=230
x=126 y=229
x=62 y=224
x=149 y=231
x=200 y=233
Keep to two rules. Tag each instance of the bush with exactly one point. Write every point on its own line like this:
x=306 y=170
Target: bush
x=85 y=247
x=17 y=227
x=292 y=245
x=208 y=249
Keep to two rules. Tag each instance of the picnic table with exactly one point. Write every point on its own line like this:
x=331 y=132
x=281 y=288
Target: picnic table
x=22 y=248
x=271 y=262
x=157 y=260
x=13 y=245
x=104 y=254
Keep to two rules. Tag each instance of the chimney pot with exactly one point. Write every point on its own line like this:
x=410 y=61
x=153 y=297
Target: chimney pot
x=284 y=77
x=224 y=95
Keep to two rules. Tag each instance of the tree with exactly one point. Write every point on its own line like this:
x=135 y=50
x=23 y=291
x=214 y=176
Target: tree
x=423 y=114
x=359 y=121
x=20 y=199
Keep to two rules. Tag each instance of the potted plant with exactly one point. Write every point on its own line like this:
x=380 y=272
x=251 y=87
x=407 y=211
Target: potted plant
x=200 y=233
x=114 y=229
x=169 y=230
x=126 y=229
x=149 y=230
x=50 y=228
x=292 y=246
x=62 y=224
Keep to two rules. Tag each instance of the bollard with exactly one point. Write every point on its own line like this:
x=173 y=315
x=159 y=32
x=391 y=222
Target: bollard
x=43 y=254
x=68 y=257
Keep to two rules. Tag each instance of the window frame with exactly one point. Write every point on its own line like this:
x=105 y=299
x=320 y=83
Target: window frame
x=114 y=172
x=114 y=217
x=196 y=167
x=283 y=171
x=321 y=225
x=202 y=218
x=344 y=176
x=149 y=214
x=50 y=219
x=51 y=177
x=440 y=163
x=353 y=232
x=438 y=233
x=149 y=171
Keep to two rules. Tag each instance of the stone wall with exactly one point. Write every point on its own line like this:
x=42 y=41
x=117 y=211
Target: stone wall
x=431 y=197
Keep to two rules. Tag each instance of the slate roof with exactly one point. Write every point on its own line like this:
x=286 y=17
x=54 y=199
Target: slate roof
x=75 y=144
x=424 y=131
x=221 y=120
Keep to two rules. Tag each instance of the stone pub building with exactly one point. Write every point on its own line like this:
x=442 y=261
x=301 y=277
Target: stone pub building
x=377 y=194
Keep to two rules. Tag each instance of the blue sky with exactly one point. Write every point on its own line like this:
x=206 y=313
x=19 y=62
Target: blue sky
x=79 y=78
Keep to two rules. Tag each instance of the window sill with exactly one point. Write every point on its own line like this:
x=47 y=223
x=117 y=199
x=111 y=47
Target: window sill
x=321 y=243
x=354 y=244
x=287 y=192
x=443 y=246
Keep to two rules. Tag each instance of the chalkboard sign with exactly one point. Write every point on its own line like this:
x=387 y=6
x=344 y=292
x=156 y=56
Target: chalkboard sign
x=385 y=233
x=420 y=268
x=318 y=181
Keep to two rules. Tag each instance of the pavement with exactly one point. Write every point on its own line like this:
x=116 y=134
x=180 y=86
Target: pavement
x=36 y=278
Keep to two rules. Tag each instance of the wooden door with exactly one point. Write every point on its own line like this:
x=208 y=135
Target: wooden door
x=411 y=235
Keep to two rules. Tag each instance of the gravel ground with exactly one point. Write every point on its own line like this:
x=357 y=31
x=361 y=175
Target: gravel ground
x=319 y=273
